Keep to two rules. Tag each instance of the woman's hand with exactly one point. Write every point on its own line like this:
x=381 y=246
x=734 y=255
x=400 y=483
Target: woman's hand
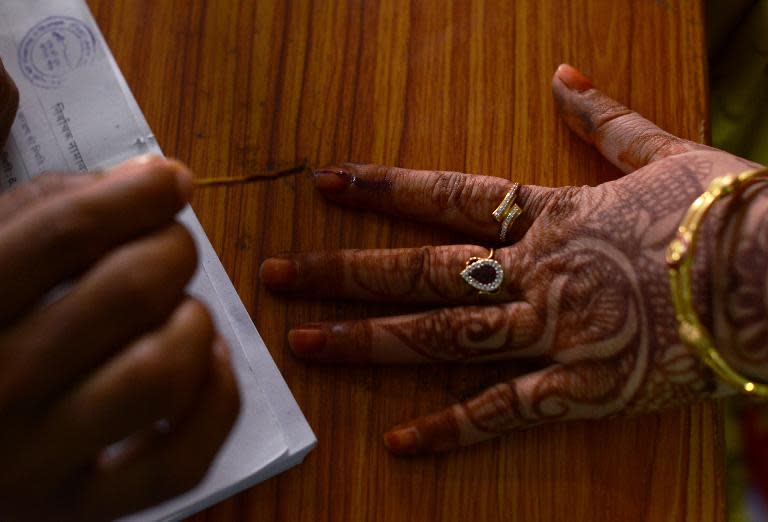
x=585 y=284
x=120 y=355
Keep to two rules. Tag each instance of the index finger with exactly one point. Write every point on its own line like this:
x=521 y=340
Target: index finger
x=462 y=202
x=60 y=237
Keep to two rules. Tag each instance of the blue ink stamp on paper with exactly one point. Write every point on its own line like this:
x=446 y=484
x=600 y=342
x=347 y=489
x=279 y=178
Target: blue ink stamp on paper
x=54 y=49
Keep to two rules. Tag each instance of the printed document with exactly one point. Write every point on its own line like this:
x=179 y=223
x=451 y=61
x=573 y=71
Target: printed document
x=77 y=113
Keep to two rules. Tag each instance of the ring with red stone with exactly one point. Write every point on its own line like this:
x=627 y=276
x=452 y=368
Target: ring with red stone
x=484 y=274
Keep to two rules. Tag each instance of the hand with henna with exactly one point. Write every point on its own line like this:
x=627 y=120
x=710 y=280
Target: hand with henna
x=585 y=285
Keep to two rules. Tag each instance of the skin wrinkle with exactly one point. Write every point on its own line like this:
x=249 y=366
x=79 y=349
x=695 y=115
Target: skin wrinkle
x=593 y=385
x=442 y=334
x=393 y=274
x=434 y=270
x=402 y=273
x=437 y=278
x=647 y=145
x=499 y=412
x=360 y=333
x=423 y=195
x=605 y=116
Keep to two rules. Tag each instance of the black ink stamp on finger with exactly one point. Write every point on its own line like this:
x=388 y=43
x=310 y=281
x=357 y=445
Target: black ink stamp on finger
x=55 y=48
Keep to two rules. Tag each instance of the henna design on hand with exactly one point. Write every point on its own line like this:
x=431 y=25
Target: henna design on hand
x=586 y=288
x=741 y=313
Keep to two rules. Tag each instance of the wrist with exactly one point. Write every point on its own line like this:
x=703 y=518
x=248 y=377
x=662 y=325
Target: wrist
x=738 y=271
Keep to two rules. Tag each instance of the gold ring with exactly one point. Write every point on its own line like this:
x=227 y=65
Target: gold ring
x=507 y=211
x=484 y=274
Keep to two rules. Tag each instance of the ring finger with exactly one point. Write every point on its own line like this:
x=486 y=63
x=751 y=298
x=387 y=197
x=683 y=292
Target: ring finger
x=131 y=291
x=156 y=377
x=430 y=274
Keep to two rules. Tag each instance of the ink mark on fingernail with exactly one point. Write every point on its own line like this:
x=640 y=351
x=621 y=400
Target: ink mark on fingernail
x=383 y=185
x=332 y=180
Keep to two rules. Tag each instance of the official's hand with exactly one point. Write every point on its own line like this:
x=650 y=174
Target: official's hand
x=119 y=354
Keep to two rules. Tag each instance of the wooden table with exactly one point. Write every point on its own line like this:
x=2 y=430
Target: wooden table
x=236 y=86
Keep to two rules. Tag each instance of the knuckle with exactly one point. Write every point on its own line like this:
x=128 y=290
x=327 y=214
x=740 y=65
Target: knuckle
x=149 y=369
x=449 y=190
x=609 y=118
x=167 y=374
x=422 y=263
x=444 y=319
x=70 y=222
x=150 y=381
x=153 y=291
x=183 y=248
x=657 y=143
x=563 y=202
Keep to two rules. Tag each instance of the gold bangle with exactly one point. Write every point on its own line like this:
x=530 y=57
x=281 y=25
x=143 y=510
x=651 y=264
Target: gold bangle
x=680 y=255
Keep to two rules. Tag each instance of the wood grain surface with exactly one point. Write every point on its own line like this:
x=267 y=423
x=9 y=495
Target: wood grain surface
x=236 y=86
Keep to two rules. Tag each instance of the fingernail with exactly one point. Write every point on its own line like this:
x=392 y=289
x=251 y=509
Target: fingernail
x=307 y=339
x=402 y=441
x=573 y=79
x=332 y=179
x=278 y=273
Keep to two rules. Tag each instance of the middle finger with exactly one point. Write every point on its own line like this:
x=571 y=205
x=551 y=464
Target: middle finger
x=58 y=238
x=128 y=293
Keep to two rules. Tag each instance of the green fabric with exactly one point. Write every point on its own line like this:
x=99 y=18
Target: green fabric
x=739 y=84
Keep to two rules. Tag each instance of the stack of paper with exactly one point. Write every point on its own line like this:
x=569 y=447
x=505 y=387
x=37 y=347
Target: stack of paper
x=77 y=113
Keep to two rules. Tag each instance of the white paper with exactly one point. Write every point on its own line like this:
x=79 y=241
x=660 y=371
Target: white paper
x=77 y=113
